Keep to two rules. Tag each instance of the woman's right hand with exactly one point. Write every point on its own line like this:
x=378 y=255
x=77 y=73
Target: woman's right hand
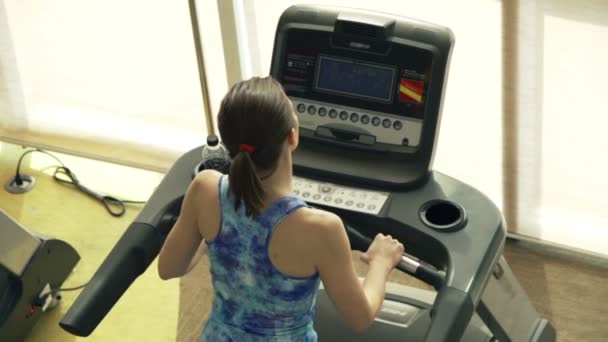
x=384 y=249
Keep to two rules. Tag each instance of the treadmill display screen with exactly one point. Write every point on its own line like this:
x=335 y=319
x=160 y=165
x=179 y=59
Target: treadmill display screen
x=353 y=78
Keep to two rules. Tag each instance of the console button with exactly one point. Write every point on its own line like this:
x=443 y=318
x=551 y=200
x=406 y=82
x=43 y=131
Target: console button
x=322 y=111
x=360 y=205
x=349 y=203
x=376 y=121
x=327 y=198
x=397 y=125
x=338 y=200
x=301 y=108
x=326 y=188
x=316 y=197
x=343 y=115
x=364 y=119
x=386 y=123
x=354 y=117
x=333 y=113
x=312 y=109
x=371 y=207
x=306 y=194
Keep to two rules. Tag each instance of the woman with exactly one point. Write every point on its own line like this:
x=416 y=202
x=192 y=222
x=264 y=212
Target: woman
x=269 y=250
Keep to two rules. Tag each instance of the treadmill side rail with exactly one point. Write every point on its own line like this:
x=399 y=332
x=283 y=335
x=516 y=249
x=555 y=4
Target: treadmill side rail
x=506 y=309
x=404 y=316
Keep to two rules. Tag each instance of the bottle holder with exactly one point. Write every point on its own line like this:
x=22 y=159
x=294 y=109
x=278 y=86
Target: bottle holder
x=221 y=167
x=443 y=215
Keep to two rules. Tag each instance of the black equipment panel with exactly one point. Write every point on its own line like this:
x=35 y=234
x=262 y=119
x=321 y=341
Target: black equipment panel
x=314 y=68
x=367 y=88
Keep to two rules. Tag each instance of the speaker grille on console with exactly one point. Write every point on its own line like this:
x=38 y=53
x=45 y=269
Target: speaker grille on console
x=306 y=14
x=423 y=34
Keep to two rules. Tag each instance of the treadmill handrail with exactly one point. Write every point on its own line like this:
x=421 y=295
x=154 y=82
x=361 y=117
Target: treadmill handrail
x=452 y=309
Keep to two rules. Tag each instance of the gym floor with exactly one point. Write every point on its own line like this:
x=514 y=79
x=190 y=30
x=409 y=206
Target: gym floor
x=569 y=289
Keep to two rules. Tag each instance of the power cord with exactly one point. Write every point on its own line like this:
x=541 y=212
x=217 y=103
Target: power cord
x=18 y=178
x=116 y=207
x=70 y=288
x=49 y=298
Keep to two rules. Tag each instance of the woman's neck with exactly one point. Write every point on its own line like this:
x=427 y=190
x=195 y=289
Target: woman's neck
x=279 y=183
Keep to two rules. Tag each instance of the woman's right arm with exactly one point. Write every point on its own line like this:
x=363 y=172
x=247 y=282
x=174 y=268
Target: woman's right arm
x=357 y=303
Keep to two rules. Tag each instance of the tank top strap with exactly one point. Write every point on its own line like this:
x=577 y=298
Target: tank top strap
x=224 y=190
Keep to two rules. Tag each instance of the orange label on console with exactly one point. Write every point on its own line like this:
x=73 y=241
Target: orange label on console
x=411 y=90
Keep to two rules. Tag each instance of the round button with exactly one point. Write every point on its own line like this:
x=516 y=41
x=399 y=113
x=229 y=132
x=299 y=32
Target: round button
x=333 y=113
x=325 y=188
x=360 y=205
x=296 y=192
x=316 y=197
x=301 y=108
x=371 y=207
x=322 y=111
x=312 y=109
x=327 y=198
x=354 y=117
x=376 y=121
x=343 y=115
x=349 y=203
x=364 y=119
x=338 y=200
x=386 y=123
x=306 y=194
x=397 y=125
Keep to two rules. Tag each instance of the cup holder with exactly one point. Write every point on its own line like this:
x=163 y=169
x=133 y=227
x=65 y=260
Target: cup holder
x=198 y=168
x=221 y=166
x=443 y=215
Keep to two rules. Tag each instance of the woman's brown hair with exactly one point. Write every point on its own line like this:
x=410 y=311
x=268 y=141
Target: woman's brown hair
x=254 y=120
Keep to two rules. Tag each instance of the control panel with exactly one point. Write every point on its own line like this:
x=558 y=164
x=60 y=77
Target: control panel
x=365 y=126
x=339 y=196
x=373 y=98
x=367 y=89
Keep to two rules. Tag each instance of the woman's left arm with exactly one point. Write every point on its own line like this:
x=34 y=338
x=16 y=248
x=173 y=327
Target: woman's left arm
x=202 y=250
x=184 y=244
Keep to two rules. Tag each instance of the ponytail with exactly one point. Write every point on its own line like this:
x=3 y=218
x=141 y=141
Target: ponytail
x=254 y=120
x=245 y=184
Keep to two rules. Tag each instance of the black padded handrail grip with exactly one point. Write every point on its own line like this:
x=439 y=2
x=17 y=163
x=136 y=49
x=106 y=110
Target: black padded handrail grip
x=129 y=258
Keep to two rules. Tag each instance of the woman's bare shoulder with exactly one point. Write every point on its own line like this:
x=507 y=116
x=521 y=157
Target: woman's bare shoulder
x=317 y=220
x=207 y=179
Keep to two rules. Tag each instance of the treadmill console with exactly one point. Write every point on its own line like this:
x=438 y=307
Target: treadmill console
x=339 y=196
x=376 y=102
x=367 y=90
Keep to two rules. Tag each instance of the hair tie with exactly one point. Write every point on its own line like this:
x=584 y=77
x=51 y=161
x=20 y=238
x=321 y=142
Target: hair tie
x=247 y=148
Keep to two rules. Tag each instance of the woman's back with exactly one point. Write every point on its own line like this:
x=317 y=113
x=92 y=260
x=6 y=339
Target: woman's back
x=267 y=250
x=252 y=298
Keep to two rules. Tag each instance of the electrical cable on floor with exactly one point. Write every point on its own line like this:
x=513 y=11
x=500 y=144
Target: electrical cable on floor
x=70 y=288
x=116 y=207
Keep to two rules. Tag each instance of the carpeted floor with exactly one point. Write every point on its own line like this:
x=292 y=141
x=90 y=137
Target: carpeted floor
x=569 y=290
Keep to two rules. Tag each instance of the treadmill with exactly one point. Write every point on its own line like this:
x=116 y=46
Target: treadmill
x=32 y=268
x=368 y=89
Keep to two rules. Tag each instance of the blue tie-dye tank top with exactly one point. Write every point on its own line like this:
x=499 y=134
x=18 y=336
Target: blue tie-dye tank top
x=253 y=301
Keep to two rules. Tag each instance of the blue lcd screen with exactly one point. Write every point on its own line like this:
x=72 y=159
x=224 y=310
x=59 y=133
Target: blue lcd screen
x=355 y=78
